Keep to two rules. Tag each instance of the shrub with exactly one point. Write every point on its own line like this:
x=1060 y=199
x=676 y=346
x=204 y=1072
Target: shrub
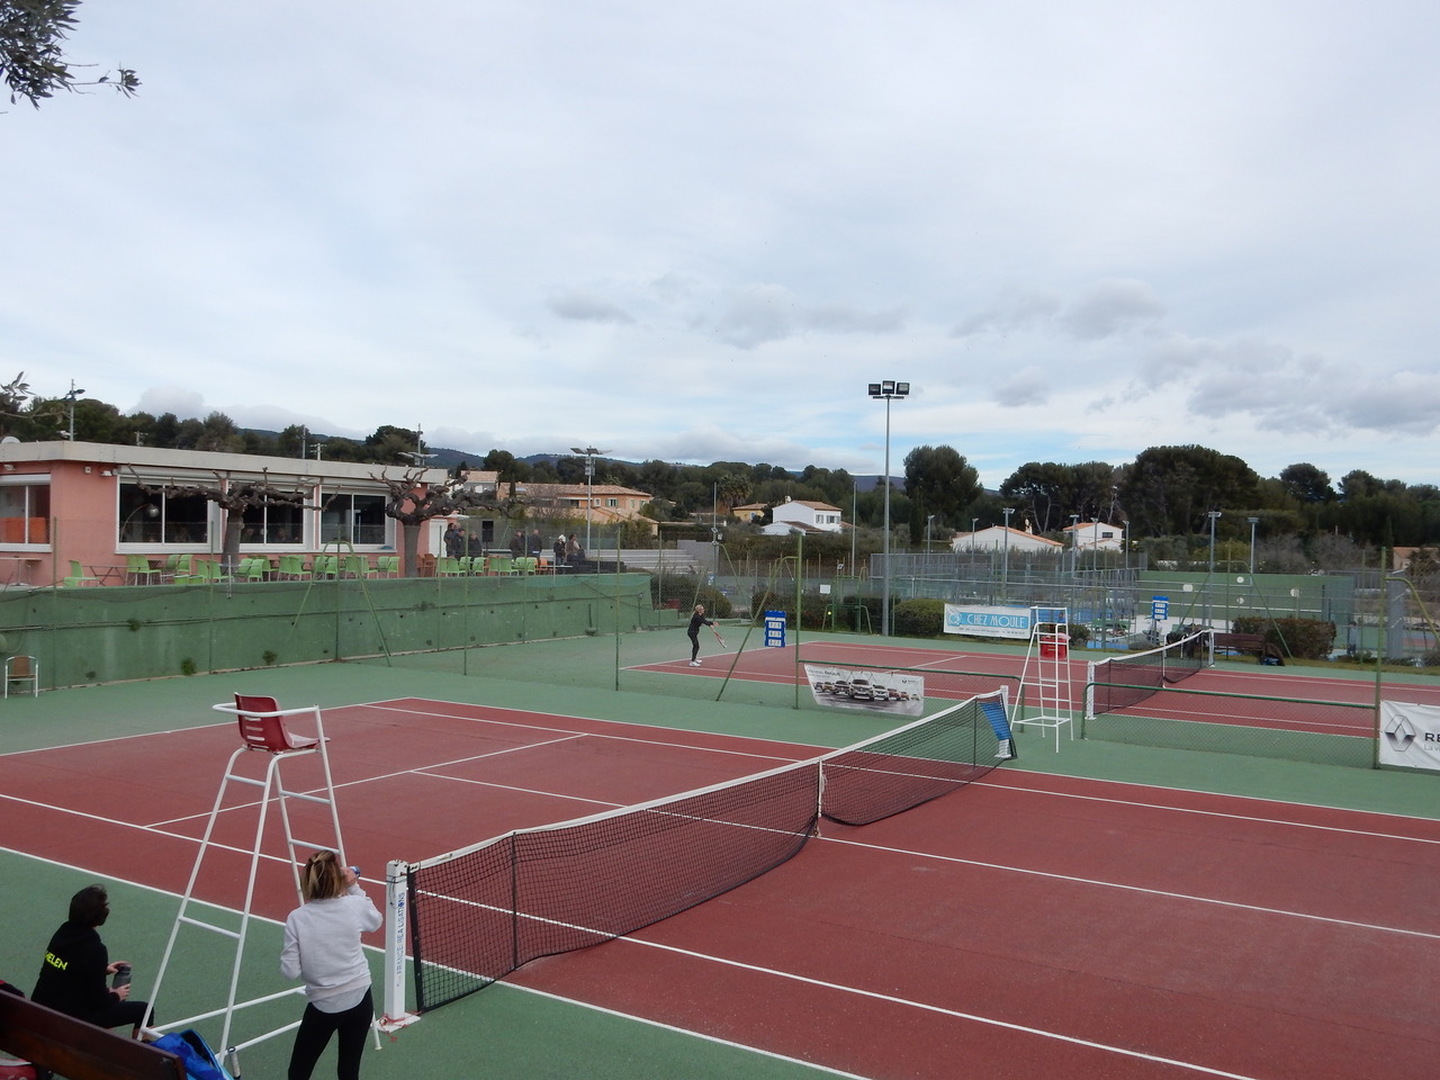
x=922 y=617
x=1304 y=639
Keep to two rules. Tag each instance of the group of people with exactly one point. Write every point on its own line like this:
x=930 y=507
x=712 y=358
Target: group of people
x=321 y=948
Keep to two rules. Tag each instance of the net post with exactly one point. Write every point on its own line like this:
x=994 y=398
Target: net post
x=1089 y=713
x=397 y=929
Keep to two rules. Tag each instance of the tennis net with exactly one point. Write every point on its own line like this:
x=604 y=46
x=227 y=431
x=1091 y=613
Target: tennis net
x=475 y=915
x=1118 y=682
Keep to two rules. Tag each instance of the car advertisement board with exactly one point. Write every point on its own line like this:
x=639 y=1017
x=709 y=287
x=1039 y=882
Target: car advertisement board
x=898 y=693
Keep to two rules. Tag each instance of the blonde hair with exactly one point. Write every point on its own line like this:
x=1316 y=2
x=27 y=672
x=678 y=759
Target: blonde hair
x=322 y=878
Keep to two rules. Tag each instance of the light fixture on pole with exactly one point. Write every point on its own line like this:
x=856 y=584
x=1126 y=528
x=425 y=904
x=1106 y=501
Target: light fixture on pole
x=887 y=391
x=588 y=453
x=70 y=397
x=1253 y=522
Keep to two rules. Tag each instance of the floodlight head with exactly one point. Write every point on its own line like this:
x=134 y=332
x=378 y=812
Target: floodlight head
x=889 y=389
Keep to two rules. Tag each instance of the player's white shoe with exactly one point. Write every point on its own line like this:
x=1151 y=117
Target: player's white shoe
x=694 y=663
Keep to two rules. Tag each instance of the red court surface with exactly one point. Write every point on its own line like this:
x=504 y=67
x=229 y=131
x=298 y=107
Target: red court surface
x=1028 y=925
x=1290 y=699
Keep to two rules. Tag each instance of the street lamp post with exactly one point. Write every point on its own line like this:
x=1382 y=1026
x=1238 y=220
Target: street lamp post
x=70 y=397
x=1005 y=563
x=588 y=453
x=928 y=519
x=1253 y=522
x=887 y=391
x=1213 y=515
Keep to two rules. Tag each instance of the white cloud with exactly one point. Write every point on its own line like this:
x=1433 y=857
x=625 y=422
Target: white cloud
x=677 y=235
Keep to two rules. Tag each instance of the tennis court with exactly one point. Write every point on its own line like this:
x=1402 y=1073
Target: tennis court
x=1211 y=921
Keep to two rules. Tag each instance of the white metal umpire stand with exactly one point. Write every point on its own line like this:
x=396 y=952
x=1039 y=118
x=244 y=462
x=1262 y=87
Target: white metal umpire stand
x=1046 y=674
x=262 y=730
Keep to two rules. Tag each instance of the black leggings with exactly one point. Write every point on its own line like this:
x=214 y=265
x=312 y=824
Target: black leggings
x=694 y=645
x=316 y=1027
x=126 y=1013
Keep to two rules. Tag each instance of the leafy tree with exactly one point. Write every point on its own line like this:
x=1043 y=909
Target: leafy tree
x=1170 y=489
x=938 y=481
x=1307 y=483
x=32 y=58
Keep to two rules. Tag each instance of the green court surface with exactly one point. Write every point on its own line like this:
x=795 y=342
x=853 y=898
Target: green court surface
x=506 y=1031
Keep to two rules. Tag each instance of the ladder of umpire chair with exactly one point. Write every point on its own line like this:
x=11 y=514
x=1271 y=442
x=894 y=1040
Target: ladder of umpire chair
x=262 y=731
x=1047 y=671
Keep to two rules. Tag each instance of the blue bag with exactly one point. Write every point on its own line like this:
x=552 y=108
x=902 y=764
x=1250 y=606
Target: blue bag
x=200 y=1061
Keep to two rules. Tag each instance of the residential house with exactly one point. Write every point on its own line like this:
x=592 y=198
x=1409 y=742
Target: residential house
x=1000 y=538
x=1094 y=536
x=802 y=515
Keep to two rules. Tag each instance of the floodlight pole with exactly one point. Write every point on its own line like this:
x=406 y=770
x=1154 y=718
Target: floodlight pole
x=588 y=453
x=1005 y=563
x=888 y=391
x=1212 y=515
x=1253 y=522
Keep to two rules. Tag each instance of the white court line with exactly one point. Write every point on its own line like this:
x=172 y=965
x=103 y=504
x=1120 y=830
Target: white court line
x=988 y=1021
x=1163 y=894
x=1224 y=814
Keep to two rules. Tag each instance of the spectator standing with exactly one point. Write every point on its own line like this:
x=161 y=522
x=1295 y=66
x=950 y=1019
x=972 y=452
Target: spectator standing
x=322 y=947
x=454 y=541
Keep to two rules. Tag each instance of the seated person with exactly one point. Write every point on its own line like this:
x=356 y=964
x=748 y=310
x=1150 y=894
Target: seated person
x=76 y=966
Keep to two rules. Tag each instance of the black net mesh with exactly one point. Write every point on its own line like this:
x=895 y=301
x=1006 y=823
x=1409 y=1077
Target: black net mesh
x=479 y=914
x=915 y=764
x=1122 y=681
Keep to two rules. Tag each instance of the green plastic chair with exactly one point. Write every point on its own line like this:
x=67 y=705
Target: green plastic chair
x=138 y=570
x=77 y=576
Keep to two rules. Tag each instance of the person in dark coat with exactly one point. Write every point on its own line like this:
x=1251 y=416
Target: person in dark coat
x=76 y=966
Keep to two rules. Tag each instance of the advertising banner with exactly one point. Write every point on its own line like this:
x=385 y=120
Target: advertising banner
x=898 y=693
x=1001 y=622
x=1410 y=735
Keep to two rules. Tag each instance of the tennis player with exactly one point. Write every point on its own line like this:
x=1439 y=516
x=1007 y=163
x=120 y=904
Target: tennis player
x=322 y=947
x=697 y=620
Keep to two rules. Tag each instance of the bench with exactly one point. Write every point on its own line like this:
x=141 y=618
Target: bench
x=78 y=1050
x=1254 y=644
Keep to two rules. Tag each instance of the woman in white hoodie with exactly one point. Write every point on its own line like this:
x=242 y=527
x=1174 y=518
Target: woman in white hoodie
x=322 y=947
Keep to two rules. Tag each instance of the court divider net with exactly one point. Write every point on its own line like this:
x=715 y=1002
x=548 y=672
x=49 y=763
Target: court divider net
x=1118 y=682
x=474 y=915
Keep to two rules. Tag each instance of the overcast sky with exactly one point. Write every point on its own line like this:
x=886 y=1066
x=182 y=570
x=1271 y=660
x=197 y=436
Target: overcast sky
x=697 y=231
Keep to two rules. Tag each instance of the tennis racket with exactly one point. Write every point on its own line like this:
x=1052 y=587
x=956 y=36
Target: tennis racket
x=718 y=638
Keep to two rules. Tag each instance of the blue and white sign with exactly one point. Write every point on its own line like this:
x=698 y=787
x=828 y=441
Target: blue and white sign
x=1159 y=608
x=774 y=629
x=1001 y=622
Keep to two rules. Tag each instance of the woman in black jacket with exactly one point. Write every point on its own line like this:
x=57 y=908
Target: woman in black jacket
x=76 y=966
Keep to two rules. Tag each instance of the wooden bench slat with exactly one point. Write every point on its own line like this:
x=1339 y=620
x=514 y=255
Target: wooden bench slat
x=78 y=1050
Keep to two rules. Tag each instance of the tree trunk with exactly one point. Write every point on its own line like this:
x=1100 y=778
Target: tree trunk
x=410 y=535
x=230 y=551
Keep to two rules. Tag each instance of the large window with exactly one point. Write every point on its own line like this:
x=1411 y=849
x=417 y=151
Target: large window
x=147 y=518
x=354 y=519
x=273 y=523
x=25 y=513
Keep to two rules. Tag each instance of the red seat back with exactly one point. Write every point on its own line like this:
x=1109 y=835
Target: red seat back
x=262 y=732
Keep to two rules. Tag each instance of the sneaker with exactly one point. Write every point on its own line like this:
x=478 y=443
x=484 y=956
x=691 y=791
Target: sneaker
x=694 y=663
